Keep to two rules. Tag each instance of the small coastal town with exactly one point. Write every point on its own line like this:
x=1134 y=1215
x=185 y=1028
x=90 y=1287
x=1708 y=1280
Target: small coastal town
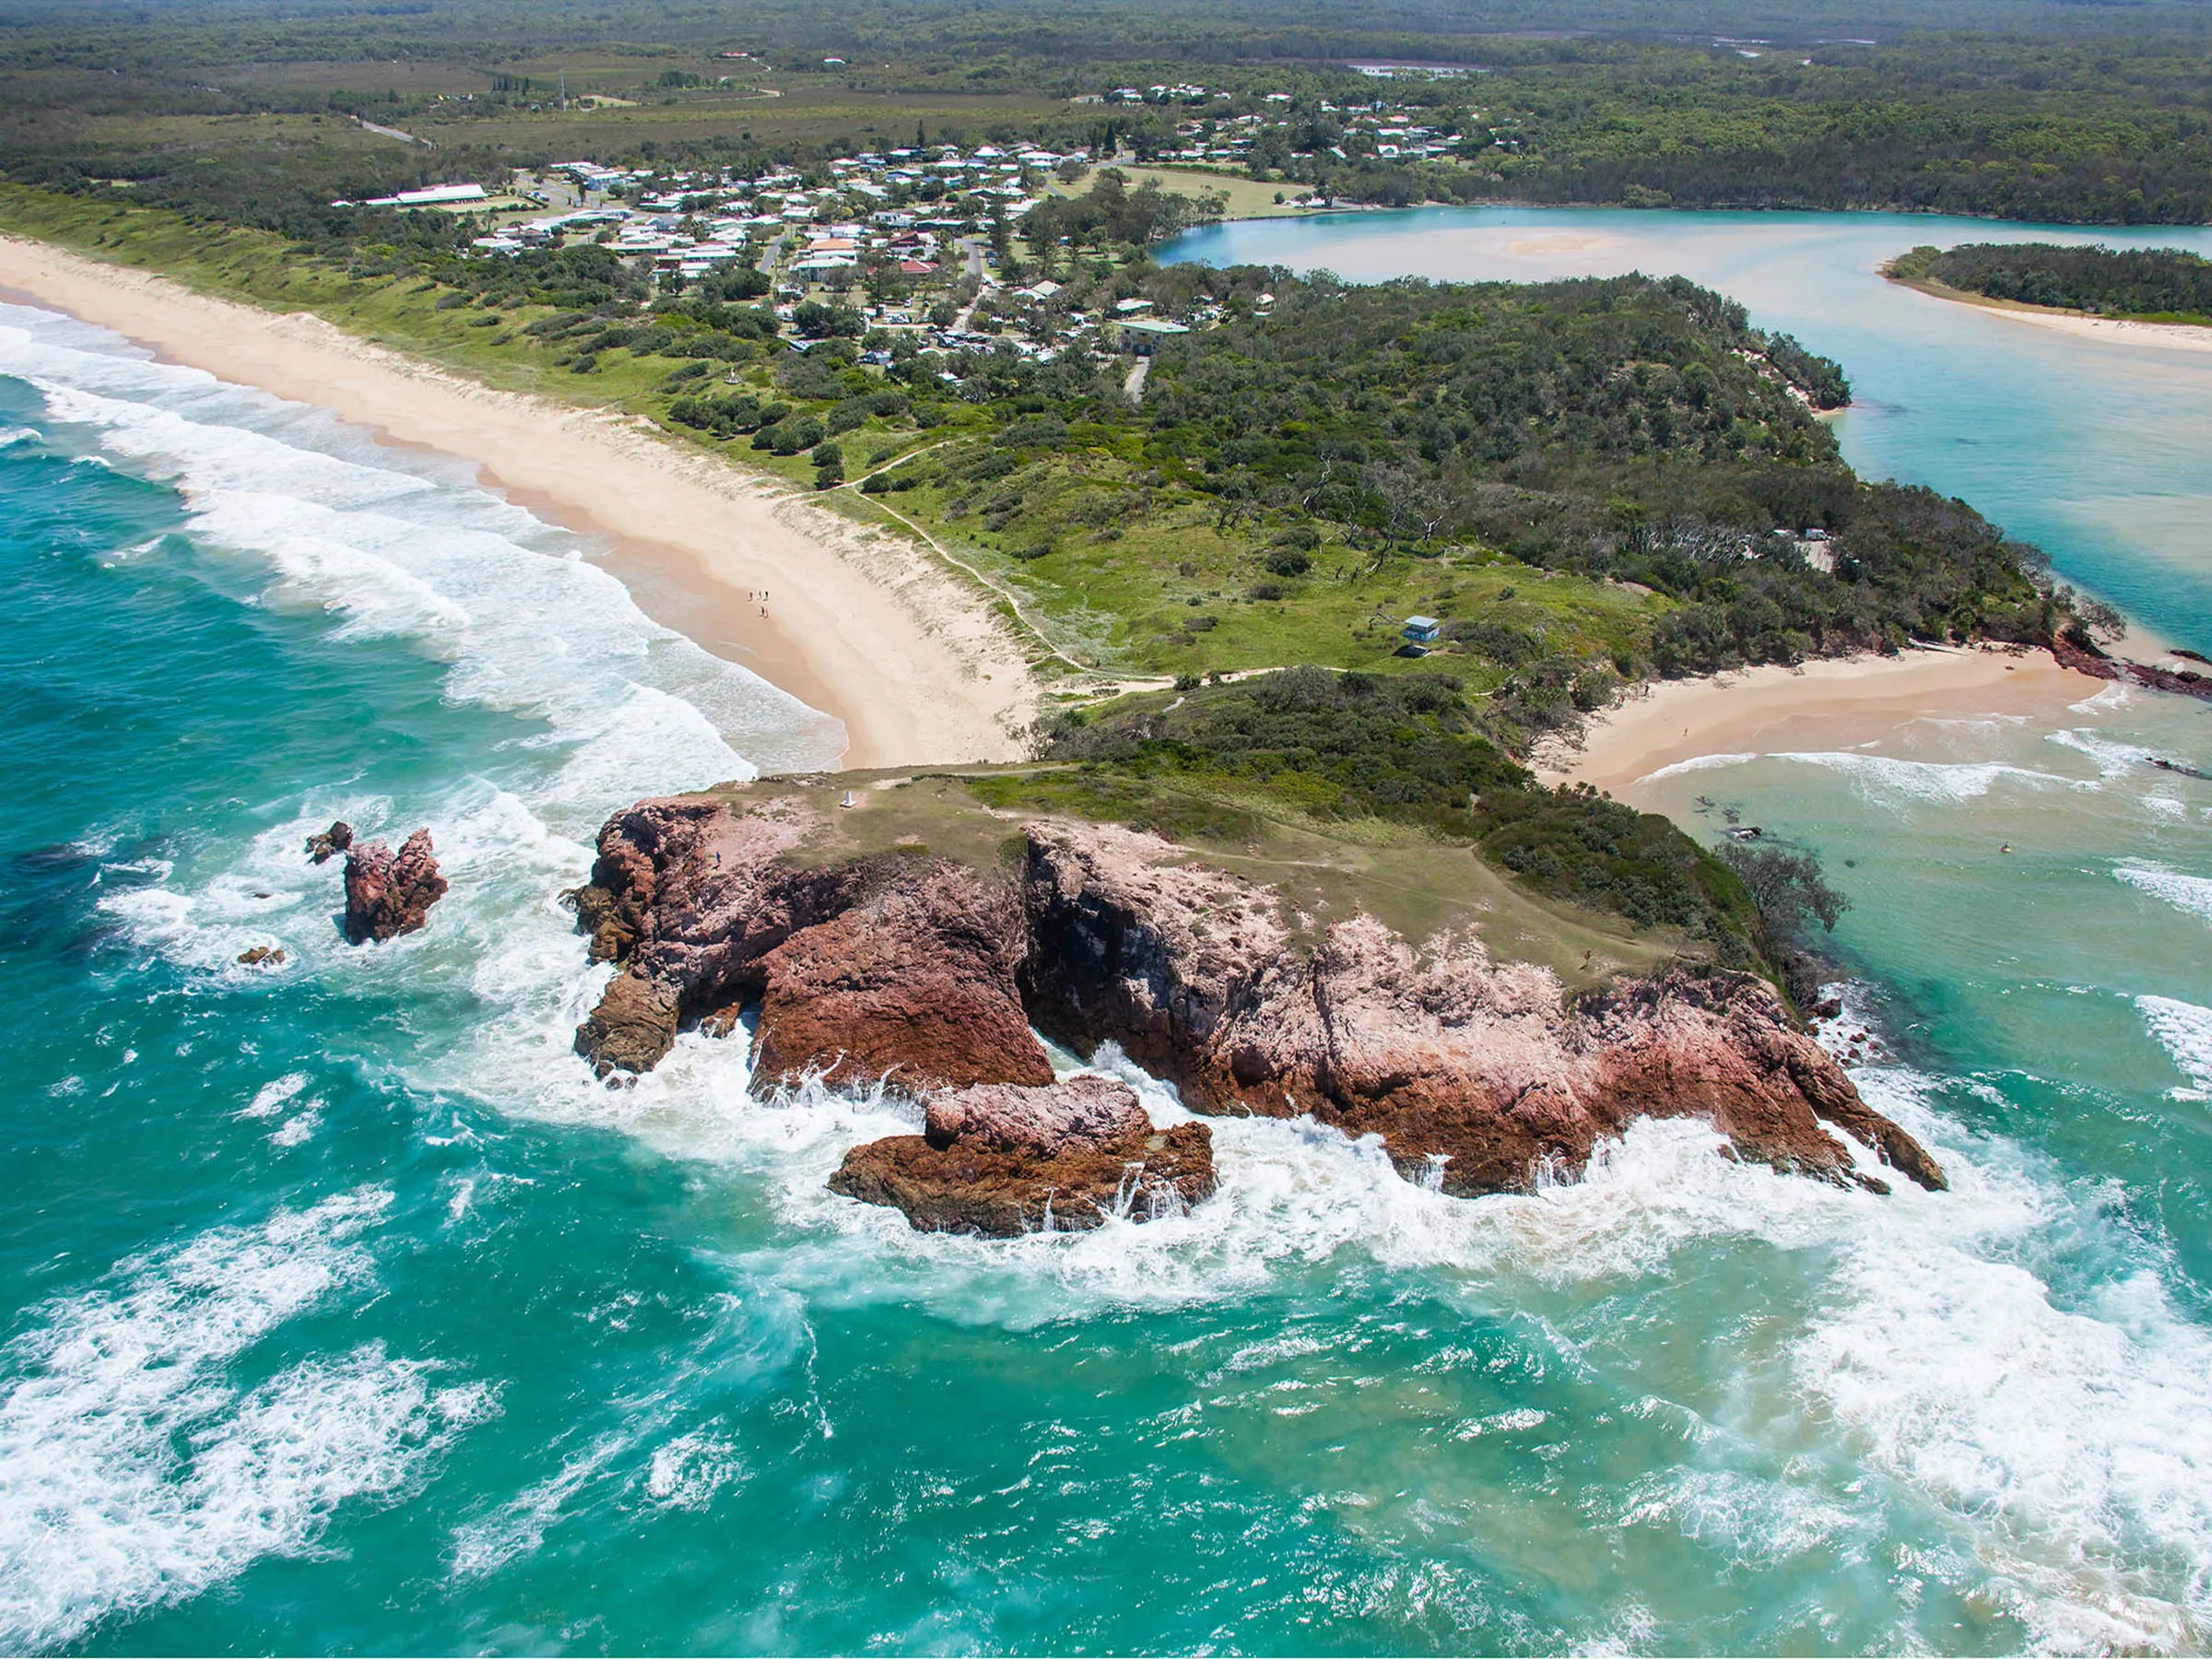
x=944 y=241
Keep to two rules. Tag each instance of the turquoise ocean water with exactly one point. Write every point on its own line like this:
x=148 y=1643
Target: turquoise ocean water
x=343 y=1311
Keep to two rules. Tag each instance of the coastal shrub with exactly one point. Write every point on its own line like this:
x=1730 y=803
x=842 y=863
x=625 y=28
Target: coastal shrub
x=1500 y=642
x=1789 y=892
x=1289 y=561
x=852 y=413
x=721 y=348
x=1408 y=748
x=791 y=436
x=997 y=464
x=725 y=417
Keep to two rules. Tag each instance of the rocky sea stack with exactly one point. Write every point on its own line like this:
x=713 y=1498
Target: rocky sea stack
x=870 y=955
x=388 y=893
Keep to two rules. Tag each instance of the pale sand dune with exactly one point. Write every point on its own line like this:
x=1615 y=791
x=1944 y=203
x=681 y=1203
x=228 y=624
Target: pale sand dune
x=1828 y=704
x=871 y=630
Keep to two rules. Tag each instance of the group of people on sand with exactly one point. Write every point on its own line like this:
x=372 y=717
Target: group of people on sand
x=760 y=598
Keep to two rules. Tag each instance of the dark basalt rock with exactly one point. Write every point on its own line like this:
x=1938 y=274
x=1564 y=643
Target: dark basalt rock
x=388 y=893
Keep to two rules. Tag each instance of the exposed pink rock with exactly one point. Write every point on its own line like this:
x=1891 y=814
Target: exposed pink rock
x=1002 y=1159
x=1086 y=1110
x=1450 y=1057
x=901 y=964
x=390 y=893
x=916 y=982
x=930 y=972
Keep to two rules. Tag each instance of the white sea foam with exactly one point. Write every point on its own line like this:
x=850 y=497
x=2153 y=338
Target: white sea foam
x=2184 y=1031
x=2184 y=892
x=1696 y=763
x=482 y=1548
x=2066 y=1445
x=135 y=1471
x=1888 y=781
x=403 y=546
x=2113 y=758
x=688 y=1470
x=271 y=1098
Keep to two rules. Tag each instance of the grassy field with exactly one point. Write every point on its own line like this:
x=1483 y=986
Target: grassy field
x=1330 y=872
x=1246 y=197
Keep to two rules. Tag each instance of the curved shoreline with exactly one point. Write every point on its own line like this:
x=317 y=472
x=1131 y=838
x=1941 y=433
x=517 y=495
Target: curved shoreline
x=1835 y=703
x=860 y=625
x=2123 y=330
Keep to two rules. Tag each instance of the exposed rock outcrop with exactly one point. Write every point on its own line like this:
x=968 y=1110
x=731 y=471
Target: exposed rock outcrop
x=903 y=963
x=633 y=1027
x=1002 y=1159
x=323 y=848
x=1472 y=1069
x=388 y=893
x=1476 y=1073
x=2082 y=654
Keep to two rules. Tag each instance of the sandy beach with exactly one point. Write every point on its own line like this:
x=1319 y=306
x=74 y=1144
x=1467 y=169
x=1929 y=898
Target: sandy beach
x=1827 y=704
x=2114 y=330
x=866 y=627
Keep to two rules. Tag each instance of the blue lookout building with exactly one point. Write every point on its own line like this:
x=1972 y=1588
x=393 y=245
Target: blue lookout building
x=1421 y=631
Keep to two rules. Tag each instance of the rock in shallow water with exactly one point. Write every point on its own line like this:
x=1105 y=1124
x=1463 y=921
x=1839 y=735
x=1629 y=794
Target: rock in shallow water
x=1002 y=1160
x=388 y=893
x=322 y=848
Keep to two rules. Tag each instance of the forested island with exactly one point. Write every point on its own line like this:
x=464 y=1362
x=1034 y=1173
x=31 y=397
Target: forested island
x=2144 y=284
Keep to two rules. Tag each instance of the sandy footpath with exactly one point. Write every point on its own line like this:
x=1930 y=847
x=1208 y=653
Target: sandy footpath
x=867 y=627
x=1825 y=704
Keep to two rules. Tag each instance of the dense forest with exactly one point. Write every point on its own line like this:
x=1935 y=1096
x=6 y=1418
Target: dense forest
x=2163 y=285
x=1631 y=430
x=243 y=111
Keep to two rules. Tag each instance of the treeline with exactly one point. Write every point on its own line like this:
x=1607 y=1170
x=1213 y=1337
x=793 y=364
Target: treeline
x=2163 y=285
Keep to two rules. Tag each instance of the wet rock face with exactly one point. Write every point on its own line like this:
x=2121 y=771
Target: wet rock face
x=324 y=847
x=1450 y=1058
x=932 y=972
x=900 y=965
x=1004 y=1159
x=633 y=1027
x=388 y=893
x=916 y=982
